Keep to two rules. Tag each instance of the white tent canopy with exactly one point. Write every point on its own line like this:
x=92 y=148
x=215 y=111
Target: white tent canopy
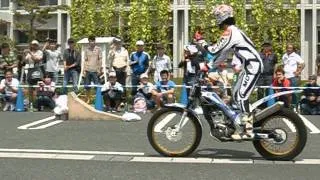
x=104 y=43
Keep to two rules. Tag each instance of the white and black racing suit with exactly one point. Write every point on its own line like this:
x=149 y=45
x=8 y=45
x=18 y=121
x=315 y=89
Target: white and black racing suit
x=234 y=39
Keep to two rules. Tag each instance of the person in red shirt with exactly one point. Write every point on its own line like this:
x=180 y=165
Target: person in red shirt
x=281 y=81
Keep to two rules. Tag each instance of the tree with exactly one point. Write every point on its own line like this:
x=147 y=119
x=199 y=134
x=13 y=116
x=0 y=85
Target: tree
x=36 y=15
x=139 y=23
x=267 y=20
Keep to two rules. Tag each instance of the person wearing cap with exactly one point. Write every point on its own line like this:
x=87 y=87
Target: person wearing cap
x=33 y=57
x=112 y=93
x=164 y=90
x=92 y=64
x=145 y=90
x=119 y=61
x=72 y=66
x=160 y=62
x=53 y=58
x=8 y=60
x=139 y=63
x=190 y=65
x=310 y=101
x=269 y=60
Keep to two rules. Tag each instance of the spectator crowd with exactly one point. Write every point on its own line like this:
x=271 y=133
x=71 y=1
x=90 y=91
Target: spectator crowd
x=152 y=82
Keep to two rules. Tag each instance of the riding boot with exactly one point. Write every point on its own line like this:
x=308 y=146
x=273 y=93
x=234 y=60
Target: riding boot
x=244 y=130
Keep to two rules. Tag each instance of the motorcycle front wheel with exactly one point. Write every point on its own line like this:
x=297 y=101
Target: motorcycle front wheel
x=167 y=139
x=291 y=136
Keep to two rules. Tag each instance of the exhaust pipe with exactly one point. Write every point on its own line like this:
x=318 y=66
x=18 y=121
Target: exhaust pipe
x=269 y=111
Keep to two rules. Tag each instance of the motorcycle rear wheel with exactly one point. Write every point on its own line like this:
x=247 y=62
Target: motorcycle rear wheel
x=164 y=138
x=293 y=136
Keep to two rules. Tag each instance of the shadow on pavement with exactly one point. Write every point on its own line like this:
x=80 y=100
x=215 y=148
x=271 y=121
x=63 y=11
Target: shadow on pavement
x=222 y=153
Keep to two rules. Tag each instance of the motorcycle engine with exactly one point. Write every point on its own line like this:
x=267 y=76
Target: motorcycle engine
x=221 y=125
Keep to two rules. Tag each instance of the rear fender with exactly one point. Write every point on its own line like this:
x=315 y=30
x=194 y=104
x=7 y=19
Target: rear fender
x=268 y=112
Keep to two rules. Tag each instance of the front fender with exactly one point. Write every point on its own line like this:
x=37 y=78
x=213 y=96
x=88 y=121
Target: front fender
x=182 y=107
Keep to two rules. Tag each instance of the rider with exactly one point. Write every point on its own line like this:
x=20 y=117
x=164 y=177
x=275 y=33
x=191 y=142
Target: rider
x=243 y=48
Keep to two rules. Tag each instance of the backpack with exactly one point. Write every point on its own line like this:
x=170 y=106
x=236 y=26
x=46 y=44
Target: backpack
x=139 y=104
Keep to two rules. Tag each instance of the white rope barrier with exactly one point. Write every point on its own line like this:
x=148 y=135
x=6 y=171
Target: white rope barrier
x=204 y=87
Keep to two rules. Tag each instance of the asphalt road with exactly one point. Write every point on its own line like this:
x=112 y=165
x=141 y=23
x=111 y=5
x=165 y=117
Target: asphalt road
x=50 y=149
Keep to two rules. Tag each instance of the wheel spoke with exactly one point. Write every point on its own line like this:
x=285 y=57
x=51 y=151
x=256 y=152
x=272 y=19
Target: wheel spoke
x=168 y=139
x=286 y=129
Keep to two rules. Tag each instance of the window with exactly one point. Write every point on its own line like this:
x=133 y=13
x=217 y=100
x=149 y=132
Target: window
x=48 y=2
x=4 y=3
x=43 y=35
x=22 y=37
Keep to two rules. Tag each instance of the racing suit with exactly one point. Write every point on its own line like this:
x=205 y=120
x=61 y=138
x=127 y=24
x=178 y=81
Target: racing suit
x=234 y=39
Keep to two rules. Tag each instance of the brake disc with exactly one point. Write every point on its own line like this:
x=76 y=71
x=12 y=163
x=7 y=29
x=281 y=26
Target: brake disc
x=173 y=135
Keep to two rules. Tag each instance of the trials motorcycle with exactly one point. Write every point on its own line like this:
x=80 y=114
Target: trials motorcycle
x=176 y=129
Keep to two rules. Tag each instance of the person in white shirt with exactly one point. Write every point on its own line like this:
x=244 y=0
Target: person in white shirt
x=119 y=61
x=33 y=58
x=160 y=62
x=293 y=65
x=53 y=58
x=9 y=87
x=112 y=92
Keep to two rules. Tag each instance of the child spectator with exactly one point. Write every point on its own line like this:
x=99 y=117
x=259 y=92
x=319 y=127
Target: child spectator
x=282 y=81
x=145 y=91
x=112 y=93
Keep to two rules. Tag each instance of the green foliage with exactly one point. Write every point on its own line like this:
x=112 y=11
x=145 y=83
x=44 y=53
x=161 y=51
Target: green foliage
x=140 y=27
x=150 y=20
x=161 y=22
x=6 y=39
x=107 y=14
x=36 y=16
x=275 y=21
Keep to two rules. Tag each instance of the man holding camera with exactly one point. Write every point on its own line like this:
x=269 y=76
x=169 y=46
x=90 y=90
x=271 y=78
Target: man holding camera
x=45 y=93
x=9 y=87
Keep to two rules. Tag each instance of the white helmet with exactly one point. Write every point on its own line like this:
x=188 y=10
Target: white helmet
x=222 y=12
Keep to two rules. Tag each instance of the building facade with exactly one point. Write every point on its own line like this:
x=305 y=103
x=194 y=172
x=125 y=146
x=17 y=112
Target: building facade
x=59 y=27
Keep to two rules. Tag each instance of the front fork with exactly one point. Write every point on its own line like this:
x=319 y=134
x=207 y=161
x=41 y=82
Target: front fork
x=184 y=119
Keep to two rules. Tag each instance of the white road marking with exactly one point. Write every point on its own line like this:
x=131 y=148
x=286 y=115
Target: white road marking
x=312 y=127
x=26 y=126
x=46 y=156
x=163 y=122
x=289 y=124
x=72 y=152
x=308 y=161
x=90 y=155
x=48 y=125
x=219 y=161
